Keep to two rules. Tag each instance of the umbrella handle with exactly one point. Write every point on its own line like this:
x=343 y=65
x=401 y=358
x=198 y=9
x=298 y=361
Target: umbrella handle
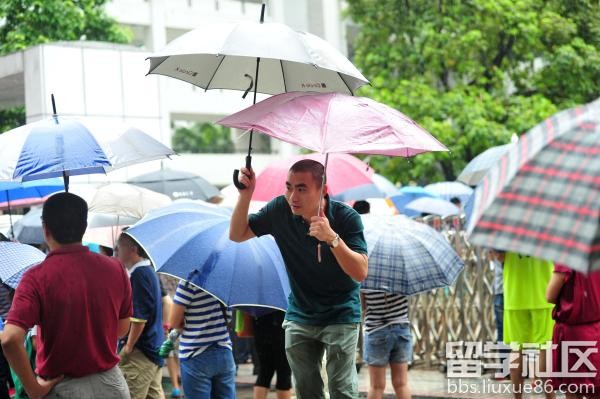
x=236 y=174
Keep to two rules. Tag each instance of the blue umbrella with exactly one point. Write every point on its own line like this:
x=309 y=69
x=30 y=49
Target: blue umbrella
x=407 y=257
x=408 y=194
x=450 y=189
x=16 y=259
x=190 y=241
x=478 y=166
x=60 y=146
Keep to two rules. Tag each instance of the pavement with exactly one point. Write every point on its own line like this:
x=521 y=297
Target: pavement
x=423 y=384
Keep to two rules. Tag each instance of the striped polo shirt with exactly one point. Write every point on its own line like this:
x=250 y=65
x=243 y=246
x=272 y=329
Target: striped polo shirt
x=204 y=322
x=383 y=309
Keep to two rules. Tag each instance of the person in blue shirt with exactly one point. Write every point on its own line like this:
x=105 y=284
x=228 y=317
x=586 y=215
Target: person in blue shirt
x=326 y=257
x=140 y=362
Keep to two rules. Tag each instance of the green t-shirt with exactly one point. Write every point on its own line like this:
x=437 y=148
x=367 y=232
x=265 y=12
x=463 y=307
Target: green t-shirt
x=322 y=293
x=525 y=282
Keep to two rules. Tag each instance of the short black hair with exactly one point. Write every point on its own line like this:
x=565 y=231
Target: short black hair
x=362 y=207
x=315 y=168
x=133 y=243
x=65 y=217
x=455 y=201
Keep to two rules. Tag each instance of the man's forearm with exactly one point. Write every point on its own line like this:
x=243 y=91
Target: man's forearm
x=352 y=263
x=238 y=228
x=134 y=333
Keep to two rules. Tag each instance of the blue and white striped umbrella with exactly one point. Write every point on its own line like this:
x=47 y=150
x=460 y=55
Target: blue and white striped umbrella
x=188 y=237
x=60 y=146
x=407 y=257
x=479 y=166
x=16 y=259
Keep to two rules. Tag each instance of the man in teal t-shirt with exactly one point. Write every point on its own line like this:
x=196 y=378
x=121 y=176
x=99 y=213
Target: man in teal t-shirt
x=325 y=257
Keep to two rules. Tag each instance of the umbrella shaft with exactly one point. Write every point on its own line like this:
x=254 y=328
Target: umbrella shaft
x=254 y=102
x=12 y=232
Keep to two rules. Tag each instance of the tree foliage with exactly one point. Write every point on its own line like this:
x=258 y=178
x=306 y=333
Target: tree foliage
x=26 y=23
x=473 y=72
x=203 y=138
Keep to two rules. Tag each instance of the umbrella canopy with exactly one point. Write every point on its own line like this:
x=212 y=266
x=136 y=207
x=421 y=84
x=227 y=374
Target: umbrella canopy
x=434 y=206
x=450 y=189
x=188 y=237
x=16 y=259
x=13 y=194
x=407 y=257
x=60 y=146
x=408 y=194
x=28 y=229
x=177 y=184
x=224 y=56
x=479 y=166
x=345 y=172
x=380 y=188
x=336 y=123
x=385 y=185
x=125 y=200
x=542 y=198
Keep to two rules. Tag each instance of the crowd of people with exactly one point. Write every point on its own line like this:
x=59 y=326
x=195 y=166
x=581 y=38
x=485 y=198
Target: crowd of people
x=102 y=326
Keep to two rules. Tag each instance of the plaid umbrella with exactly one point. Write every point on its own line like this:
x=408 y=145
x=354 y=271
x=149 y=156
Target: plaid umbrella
x=542 y=198
x=407 y=257
x=16 y=259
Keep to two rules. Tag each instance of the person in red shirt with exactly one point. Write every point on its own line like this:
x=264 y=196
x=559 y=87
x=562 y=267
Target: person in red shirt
x=81 y=303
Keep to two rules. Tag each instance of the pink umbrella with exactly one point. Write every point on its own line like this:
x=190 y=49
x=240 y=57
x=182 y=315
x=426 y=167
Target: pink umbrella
x=348 y=172
x=334 y=122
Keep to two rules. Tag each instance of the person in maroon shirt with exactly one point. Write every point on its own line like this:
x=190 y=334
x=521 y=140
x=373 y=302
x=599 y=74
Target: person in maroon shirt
x=81 y=303
x=576 y=331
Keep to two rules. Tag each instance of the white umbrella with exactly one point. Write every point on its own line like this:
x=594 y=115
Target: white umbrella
x=224 y=56
x=435 y=206
x=125 y=200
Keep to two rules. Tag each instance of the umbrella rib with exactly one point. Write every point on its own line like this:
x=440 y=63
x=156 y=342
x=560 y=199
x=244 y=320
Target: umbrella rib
x=157 y=65
x=342 y=78
x=214 y=73
x=283 y=76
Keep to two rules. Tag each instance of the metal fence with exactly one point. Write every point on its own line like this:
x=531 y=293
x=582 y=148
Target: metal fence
x=463 y=312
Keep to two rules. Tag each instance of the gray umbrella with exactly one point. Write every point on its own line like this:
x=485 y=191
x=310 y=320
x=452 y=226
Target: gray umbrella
x=177 y=184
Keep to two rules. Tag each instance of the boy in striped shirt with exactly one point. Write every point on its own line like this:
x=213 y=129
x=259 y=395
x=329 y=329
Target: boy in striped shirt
x=207 y=365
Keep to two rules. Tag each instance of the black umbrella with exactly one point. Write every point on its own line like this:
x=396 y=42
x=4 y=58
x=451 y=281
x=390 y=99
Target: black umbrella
x=177 y=184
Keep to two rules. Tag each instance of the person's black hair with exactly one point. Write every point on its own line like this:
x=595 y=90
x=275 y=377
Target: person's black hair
x=362 y=207
x=65 y=217
x=311 y=166
x=130 y=241
x=455 y=200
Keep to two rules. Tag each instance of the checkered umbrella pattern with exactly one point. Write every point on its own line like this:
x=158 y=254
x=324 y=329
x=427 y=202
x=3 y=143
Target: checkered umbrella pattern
x=407 y=257
x=543 y=197
x=16 y=259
